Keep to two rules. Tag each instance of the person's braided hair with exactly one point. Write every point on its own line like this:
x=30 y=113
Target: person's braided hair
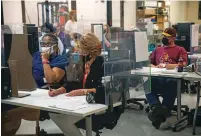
x=90 y=45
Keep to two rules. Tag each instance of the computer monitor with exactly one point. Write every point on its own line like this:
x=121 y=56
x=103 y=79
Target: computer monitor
x=183 y=29
x=184 y=43
x=33 y=43
x=184 y=35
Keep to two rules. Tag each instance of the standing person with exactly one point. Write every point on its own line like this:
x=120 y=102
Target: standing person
x=107 y=37
x=71 y=25
x=168 y=56
x=61 y=34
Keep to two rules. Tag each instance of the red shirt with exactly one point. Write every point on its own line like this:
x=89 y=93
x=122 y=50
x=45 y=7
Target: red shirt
x=169 y=55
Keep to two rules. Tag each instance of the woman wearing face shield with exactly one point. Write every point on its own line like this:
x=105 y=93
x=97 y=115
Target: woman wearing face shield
x=48 y=64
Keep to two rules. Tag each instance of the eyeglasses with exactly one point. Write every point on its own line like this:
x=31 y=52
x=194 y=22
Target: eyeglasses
x=47 y=44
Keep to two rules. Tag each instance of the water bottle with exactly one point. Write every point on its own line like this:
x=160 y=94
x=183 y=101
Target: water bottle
x=198 y=65
x=180 y=67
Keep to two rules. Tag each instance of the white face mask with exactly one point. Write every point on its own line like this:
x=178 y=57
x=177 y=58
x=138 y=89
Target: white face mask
x=72 y=43
x=43 y=33
x=46 y=49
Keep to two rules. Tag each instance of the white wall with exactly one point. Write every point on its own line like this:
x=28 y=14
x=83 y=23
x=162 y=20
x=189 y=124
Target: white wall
x=178 y=11
x=12 y=12
x=31 y=12
x=192 y=9
x=129 y=14
x=88 y=12
x=116 y=13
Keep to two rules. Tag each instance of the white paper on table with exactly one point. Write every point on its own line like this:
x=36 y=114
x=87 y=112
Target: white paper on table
x=195 y=35
x=70 y=107
x=59 y=97
x=173 y=72
x=141 y=47
x=147 y=70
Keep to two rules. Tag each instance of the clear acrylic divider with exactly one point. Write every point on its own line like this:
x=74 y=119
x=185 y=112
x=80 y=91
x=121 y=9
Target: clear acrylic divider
x=126 y=77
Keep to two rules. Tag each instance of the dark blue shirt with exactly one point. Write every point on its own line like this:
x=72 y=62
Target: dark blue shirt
x=59 y=61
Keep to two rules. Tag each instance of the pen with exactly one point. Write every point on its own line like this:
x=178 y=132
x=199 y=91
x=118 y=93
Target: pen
x=50 y=89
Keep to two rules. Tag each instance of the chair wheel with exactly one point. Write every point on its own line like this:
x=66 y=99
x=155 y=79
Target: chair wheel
x=174 y=129
x=43 y=132
x=193 y=133
x=141 y=107
x=147 y=110
x=145 y=102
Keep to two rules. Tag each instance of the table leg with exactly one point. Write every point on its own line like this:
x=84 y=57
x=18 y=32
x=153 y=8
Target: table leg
x=88 y=121
x=178 y=100
x=196 y=109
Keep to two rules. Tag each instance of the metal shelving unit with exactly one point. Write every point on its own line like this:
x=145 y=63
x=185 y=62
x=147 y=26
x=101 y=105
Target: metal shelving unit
x=160 y=12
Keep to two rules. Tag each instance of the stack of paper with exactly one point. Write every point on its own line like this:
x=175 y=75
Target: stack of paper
x=174 y=71
x=69 y=107
x=147 y=70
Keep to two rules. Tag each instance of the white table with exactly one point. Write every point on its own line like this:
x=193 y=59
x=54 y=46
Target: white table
x=194 y=56
x=195 y=77
x=39 y=99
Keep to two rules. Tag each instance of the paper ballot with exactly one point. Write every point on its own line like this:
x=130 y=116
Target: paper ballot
x=70 y=107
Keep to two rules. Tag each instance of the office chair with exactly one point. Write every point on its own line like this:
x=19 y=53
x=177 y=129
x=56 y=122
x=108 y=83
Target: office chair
x=137 y=101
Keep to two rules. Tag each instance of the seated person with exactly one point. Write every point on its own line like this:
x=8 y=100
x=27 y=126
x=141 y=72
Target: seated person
x=48 y=65
x=75 y=38
x=168 y=56
x=94 y=71
x=92 y=51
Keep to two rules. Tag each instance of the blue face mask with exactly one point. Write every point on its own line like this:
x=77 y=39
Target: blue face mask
x=75 y=57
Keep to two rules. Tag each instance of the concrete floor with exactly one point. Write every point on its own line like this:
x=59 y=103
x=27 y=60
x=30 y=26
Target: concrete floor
x=131 y=123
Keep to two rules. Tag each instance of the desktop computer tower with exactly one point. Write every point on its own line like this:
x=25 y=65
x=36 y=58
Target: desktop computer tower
x=5 y=83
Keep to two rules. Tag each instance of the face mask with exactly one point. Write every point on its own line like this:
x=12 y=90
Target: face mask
x=165 y=41
x=47 y=49
x=72 y=43
x=43 y=33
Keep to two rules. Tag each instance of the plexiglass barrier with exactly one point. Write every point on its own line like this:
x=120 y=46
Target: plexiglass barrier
x=127 y=72
x=126 y=67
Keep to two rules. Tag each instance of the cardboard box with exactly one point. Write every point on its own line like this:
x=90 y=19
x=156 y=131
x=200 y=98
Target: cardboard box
x=150 y=11
x=140 y=12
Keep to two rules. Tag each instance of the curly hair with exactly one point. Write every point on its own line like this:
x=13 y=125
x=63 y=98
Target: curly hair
x=90 y=45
